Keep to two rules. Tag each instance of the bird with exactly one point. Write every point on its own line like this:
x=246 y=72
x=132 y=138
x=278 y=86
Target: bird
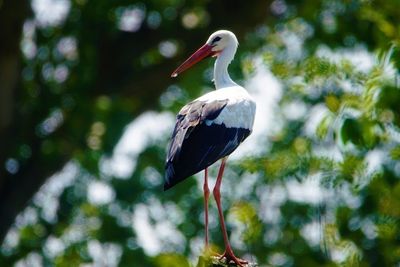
x=211 y=127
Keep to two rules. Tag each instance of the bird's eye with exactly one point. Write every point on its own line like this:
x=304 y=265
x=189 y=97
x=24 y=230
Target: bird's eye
x=216 y=39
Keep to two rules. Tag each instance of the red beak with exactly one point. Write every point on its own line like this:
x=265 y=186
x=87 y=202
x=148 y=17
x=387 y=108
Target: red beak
x=203 y=52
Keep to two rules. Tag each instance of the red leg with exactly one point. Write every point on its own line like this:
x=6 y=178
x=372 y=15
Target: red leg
x=228 y=254
x=206 y=195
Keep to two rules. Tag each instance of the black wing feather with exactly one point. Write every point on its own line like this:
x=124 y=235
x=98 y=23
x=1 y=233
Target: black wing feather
x=196 y=145
x=190 y=116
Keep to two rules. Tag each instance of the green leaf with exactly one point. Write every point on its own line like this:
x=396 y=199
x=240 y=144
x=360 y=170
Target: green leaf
x=171 y=260
x=395 y=153
x=323 y=127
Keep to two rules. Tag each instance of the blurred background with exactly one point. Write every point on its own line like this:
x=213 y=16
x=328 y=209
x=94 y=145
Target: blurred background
x=87 y=108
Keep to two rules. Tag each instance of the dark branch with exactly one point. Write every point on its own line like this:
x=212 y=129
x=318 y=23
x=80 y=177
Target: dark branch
x=214 y=261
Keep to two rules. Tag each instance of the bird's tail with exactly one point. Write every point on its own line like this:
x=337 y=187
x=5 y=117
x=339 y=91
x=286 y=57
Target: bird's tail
x=174 y=175
x=169 y=176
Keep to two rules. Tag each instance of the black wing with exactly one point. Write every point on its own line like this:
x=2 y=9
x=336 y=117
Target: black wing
x=197 y=144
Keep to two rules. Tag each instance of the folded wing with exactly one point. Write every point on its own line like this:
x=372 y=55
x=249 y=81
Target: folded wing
x=197 y=142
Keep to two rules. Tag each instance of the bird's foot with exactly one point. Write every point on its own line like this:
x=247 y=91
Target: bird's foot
x=230 y=257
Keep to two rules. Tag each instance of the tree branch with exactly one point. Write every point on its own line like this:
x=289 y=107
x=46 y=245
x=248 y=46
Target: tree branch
x=214 y=261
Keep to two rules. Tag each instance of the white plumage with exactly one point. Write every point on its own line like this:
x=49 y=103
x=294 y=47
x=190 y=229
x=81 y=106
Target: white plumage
x=239 y=111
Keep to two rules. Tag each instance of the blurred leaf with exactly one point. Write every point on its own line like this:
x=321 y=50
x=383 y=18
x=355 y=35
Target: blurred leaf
x=332 y=102
x=245 y=213
x=171 y=260
x=323 y=127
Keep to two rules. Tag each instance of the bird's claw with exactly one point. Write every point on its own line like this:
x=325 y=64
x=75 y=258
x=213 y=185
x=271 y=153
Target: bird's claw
x=230 y=257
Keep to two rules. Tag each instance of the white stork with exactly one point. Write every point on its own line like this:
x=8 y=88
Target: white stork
x=211 y=127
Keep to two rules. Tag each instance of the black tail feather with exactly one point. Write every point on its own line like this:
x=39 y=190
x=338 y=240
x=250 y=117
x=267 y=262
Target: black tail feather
x=172 y=177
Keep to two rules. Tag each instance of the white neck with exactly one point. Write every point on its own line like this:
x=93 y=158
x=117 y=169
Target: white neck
x=221 y=75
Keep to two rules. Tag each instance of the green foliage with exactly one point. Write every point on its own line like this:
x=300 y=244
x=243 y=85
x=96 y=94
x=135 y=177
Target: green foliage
x=323 y=191
x=171 y=260
x=247 y=215
x=323 y=126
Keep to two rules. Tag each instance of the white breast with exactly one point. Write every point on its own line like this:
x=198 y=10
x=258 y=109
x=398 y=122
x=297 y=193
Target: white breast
x=240 y=110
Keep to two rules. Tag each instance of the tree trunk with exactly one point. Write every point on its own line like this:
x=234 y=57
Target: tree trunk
x=13 y=13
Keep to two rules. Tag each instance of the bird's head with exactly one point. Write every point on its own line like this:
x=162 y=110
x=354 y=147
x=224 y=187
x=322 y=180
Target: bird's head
x=217 y=42
x=220 y=40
